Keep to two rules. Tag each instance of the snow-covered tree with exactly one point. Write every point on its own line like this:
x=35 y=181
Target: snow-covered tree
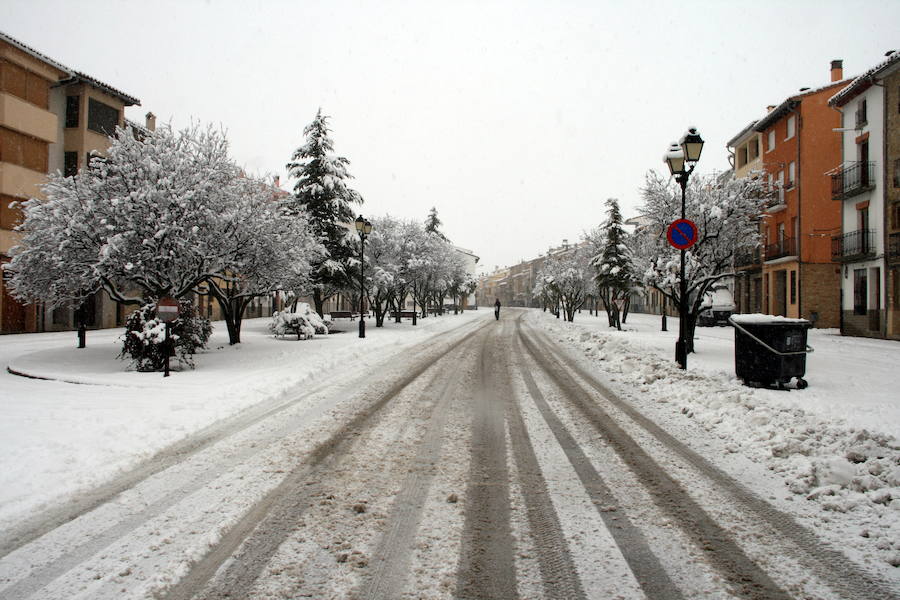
x=269 y=250
x=726 y=213
x=140 y=223
x=157 y=217
x=321 y=191
x=566 y=277
x=615 y=277
x=383 y=264
x=433 y=224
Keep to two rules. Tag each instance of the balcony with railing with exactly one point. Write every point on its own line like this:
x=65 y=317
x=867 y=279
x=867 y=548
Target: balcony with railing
x=854 y=245
x=851 y=179
x=748 y=259
x=894 y=247
x=781 y=248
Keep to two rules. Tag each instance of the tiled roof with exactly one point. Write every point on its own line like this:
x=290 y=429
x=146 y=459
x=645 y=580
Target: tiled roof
x=788 y=105
x=78 y=76
x=861 y=83
x=71 y=75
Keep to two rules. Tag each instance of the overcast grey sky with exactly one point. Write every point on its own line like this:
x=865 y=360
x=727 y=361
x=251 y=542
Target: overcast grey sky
x=515 y=119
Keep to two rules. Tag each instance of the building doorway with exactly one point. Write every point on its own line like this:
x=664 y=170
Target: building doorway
x=780 y=299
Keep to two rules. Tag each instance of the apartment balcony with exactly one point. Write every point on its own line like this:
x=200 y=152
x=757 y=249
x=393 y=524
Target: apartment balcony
x=851 y=179
x=893 y=252
x=782 y=248
x=748 y=260
x=854 y=245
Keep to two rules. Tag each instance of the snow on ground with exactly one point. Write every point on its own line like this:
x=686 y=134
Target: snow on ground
x=834 y=443
x=58 y=438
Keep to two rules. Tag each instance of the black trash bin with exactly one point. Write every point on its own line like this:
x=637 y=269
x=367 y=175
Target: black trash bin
x=770 y=350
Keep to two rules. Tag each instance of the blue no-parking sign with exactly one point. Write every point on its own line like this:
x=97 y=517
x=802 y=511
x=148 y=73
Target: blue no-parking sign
x=682 y=234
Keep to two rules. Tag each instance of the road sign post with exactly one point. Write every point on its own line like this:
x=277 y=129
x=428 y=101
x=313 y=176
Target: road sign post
x=167 y=310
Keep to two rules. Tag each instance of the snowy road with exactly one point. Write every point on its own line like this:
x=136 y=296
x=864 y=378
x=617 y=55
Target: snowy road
x=484 y=463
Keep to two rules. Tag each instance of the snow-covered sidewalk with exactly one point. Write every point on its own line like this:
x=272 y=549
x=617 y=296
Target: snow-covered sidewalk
x=834 y=443
x=89 y=418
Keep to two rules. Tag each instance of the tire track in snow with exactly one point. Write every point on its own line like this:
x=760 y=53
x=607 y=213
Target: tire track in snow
x=654 y=581
x=486 y=566
x=179 y=452
x=744 y=576
x=828 y=565
x=392 y=556
x=558 y=572
x=254 y=540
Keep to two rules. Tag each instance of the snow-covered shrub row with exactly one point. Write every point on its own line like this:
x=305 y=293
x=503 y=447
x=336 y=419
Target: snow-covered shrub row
x=843 y=469
x=302 y=321
x=145 y=336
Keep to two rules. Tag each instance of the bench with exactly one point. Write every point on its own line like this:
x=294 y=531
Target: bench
x=404 y=314
x=343 y=314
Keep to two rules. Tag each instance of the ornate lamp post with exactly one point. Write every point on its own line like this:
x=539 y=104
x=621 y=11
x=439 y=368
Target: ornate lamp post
x=363 y=228
x=682 y=158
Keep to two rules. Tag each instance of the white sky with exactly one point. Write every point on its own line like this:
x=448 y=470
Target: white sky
x=515 y=119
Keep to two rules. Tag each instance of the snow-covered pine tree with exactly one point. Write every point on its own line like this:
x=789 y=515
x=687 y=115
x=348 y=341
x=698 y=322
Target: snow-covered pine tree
x=614 y=266
x=433 y=224
x=322 y=192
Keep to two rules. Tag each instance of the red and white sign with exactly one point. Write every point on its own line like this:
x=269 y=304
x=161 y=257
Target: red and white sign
x=167 y=309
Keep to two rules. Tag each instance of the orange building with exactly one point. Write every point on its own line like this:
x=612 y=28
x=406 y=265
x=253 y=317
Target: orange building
x=799 y=278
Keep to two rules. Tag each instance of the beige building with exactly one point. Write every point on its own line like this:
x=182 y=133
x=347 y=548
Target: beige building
x=52 y=118
x=746 y=157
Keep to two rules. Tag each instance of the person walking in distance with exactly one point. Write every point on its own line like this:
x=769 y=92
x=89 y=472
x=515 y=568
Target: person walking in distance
x=497 y=309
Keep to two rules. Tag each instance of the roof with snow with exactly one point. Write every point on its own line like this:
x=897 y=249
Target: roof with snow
x=791 y=103
x=737 y=138
x=864 y=81
x=71 y=75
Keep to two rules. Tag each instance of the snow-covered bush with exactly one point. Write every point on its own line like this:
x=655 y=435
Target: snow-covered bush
x=303 y=321
x=144 y=340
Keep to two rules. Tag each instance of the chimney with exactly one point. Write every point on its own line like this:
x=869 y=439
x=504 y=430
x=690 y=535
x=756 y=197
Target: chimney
x=151 y=122
x=277 y=182
x=770 y=108
x=837 y=70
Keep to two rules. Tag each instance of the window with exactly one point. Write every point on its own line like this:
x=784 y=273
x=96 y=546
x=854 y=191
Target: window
x=792 y=173
x=897 y=172
x=791 y=127
x=70 y=166
x=753 y=150
x=861 y=117
x=73 y=103
x=862 y=218
x=771 y=145
x=793 y=287
x=780 y=187
x=860 y=291
x=741 y=157
x=102 y=118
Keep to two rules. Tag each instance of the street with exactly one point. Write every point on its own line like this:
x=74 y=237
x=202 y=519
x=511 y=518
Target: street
x=484 y=463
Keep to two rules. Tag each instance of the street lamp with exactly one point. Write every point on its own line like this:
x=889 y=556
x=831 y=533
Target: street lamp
x=681 y=159
x=363 y=228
